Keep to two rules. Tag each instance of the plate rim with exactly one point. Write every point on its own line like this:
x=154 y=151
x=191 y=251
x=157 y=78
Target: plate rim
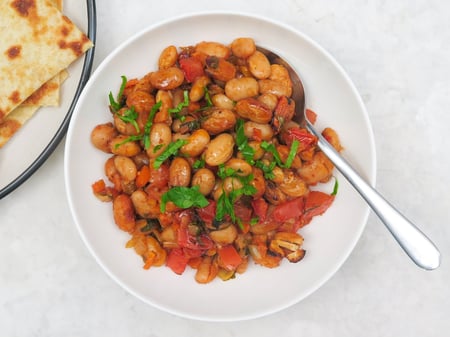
x=370 y=174
x=62 y=129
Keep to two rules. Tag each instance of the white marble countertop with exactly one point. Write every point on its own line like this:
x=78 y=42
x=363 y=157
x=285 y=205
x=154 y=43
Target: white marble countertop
x=398 y=55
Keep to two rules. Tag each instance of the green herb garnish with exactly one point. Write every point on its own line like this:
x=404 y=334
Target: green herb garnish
x=117 y=104
x=208 y=100
x=335 y=187
x=225 y=203
x=133 y=138
x=267 y=169
x=147 y=127
x=199 y=163
x=242 y=143
x=149 y=123
x=129 y=116
x=171 y=149
x=269 y=147
x=292 y=153
x=184 y=197
x=177 y=110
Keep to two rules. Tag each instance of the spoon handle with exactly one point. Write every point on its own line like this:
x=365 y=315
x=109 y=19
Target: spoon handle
x=418 y=247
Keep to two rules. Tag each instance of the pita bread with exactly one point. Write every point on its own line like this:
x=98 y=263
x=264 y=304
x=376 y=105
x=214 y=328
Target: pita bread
x=38 y=41
x=20 y=115
x=48 y=93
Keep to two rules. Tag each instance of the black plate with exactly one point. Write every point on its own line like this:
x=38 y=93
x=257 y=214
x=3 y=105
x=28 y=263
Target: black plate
x=61 y=131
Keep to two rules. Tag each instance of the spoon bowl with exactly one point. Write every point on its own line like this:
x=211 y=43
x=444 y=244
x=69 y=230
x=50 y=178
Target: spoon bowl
x=413 y=241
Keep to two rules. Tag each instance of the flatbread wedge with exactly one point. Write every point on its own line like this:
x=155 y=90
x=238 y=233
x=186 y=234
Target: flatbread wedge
x=37 y=42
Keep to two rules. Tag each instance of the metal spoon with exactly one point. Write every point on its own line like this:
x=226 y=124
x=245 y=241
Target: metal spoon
x=418 y=247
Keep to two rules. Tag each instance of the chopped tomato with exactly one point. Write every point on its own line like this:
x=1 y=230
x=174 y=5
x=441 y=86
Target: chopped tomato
x=192 y=68
x=208 y=213
x=99 y=186
x=257 y=134
x=306 y=139
x=192 y=253
x=230 y=257
x=316 y=204
x=311 y=115
x=289 y=210
x=284 y=111
x=143 y=176
x=242 y=211
x=196 y=242
x=245 y=227
x=260 y=207
x=177 y=261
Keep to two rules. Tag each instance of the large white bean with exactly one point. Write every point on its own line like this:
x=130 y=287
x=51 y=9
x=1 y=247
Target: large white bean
x=219 y=150
x=179 y=172
x=239 y=88
x=258 y=131
x=205 y=179
x=197 y=143
x=243 y=47
x=168 y=57
x=160 y=137
x=222 y=101
x=259 y=65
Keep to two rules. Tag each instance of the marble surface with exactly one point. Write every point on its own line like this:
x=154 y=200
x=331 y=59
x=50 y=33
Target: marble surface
x=398 y=55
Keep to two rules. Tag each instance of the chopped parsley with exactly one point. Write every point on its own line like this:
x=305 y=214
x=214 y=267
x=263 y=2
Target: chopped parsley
x=269 y=147
x=117 y=104
x=178 y=109
x=129 y=116
x=184 y=197
x=172 y=149
x=225 y=203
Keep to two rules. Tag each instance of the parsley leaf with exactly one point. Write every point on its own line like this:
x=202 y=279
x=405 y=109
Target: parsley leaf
x=292 y=153
x=208 y=100
x=147 y=127
x=171 y=149
x=199 y=163
x=267 y=169
x=269 y=147
x=129 y=116
x=242 y=143
x=184 y=197
x=149 y=123
x=116 y=104
x=335 y=187
x=225 y=203
x=129 y=139
x=177 y=110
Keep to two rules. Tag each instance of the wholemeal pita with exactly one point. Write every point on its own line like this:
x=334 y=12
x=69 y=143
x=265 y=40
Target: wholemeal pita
x=38 y=41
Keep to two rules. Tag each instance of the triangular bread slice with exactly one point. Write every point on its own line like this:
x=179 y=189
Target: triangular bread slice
x=37 y=42
x=20 y=115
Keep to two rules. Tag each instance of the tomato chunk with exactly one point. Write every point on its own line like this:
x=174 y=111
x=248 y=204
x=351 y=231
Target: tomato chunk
x=230 y=257
x=316 y=204
x=177 y=261
x=260 y=207
x=303 y=136
x=289 y=210
x=208 y=213
x=196 y=242
x=192 y=68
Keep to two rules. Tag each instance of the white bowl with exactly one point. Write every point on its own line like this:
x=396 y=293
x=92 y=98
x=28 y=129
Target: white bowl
x=329 y=239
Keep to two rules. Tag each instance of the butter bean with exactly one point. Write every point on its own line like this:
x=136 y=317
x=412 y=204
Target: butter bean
x=219 y=150
x=239 y=88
